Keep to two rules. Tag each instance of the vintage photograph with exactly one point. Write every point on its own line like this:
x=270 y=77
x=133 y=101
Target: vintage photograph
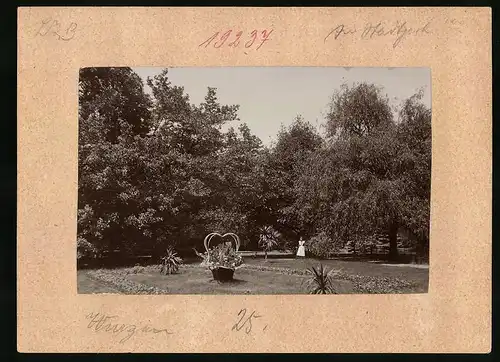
x=253 y=180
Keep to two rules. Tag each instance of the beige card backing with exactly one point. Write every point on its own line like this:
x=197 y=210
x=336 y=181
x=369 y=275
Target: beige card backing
x=454 y=316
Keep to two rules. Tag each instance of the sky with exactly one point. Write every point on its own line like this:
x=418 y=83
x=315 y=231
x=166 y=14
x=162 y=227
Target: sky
x=272 y=96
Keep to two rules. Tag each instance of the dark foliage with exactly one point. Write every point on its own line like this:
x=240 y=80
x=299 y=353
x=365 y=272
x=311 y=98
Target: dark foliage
x=157 y=171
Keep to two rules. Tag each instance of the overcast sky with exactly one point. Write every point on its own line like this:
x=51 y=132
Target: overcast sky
x=271 y=96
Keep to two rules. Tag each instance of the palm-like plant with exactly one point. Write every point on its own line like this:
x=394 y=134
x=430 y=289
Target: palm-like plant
x=320 y=281
x=268 y=238
x=171 y=262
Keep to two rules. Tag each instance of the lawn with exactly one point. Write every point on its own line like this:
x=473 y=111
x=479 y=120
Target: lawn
x=257 y=276
x=368 y=269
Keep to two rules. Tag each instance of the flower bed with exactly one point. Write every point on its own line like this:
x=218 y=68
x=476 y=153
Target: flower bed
x=118 y=280
x=362 y=284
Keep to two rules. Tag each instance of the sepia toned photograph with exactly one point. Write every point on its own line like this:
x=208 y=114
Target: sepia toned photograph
x=254 y=180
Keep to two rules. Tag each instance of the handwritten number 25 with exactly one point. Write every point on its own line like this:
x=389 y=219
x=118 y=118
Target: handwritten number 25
x=242 y=322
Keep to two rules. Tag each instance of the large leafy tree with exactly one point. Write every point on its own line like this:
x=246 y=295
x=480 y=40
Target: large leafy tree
x=158 y=170
x=285 y=165
x=113 y=109
x=112 y=101
x=212 y=163
x=234 y=206
x=358 y=110
x=415 y=134
x=147 y=182
x=375 y=173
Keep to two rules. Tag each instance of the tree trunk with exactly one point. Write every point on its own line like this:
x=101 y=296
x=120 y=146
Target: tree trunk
x=393 y=241
x=265 y=254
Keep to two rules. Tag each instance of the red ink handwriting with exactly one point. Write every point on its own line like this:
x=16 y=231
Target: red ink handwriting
x=233 y=39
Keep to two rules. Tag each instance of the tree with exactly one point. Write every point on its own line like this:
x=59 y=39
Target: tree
x=414 y=132
x=159 y=171
x=285 y=163
x=235 y=204
x=113 y=109
x=149 y=182
x=374 y=174
x=358 y=110
x=109 y=100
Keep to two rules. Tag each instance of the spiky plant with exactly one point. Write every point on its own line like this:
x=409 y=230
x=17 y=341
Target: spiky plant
x=268 y=239
x=320 y=281
x=171 y=262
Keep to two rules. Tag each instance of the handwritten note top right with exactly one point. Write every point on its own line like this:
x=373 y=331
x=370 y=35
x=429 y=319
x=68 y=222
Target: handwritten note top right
x=398 y=31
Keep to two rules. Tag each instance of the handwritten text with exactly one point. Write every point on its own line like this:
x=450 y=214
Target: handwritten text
x=52 y=27
x=99 y=322
x=397 y=31
x=246 y=321
x=234 y=39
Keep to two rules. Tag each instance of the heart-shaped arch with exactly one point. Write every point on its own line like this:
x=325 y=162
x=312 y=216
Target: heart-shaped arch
x=209 y=237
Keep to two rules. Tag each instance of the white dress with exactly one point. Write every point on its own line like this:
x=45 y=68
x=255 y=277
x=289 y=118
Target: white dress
x=302 y=249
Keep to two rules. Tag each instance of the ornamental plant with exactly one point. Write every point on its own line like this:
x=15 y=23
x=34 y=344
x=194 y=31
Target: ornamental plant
x=170 y=262
x=321 y=280
x=221 y=256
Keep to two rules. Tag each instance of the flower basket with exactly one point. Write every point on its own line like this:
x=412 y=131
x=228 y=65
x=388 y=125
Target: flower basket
x=223 y=274
x=223 y=259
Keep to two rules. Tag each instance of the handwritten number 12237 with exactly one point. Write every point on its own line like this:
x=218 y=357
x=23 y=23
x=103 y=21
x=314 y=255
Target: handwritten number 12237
x=234 y=39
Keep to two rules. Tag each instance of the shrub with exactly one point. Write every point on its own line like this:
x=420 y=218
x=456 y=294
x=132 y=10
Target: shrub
x=85 y=249
x=320 y=281
x=170 y=262
x=321 y=245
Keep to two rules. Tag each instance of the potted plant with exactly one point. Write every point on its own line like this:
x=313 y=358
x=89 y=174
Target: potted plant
x=223 y=259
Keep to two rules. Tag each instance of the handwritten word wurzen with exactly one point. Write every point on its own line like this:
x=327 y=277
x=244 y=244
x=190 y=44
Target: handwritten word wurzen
x=234 y=39
x=246 y=321
x=399 y=31
x=108 y=324
x=50 y=27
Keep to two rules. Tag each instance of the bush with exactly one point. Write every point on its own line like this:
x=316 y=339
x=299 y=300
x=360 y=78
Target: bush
x=321 y=246
x=85 y=249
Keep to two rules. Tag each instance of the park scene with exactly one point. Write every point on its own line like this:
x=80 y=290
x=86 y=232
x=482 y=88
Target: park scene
x=253 y=180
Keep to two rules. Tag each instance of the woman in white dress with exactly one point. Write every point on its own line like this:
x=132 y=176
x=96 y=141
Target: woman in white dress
x=302 y=249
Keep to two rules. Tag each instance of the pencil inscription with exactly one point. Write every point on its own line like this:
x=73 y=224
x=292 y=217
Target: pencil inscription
x=397 y=31
x=246 y=321
x=52 y=27
x=99 y=322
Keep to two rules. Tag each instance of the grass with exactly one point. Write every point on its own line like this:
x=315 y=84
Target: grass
x=414 y=275
x=274 y=276
x=88 y=285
